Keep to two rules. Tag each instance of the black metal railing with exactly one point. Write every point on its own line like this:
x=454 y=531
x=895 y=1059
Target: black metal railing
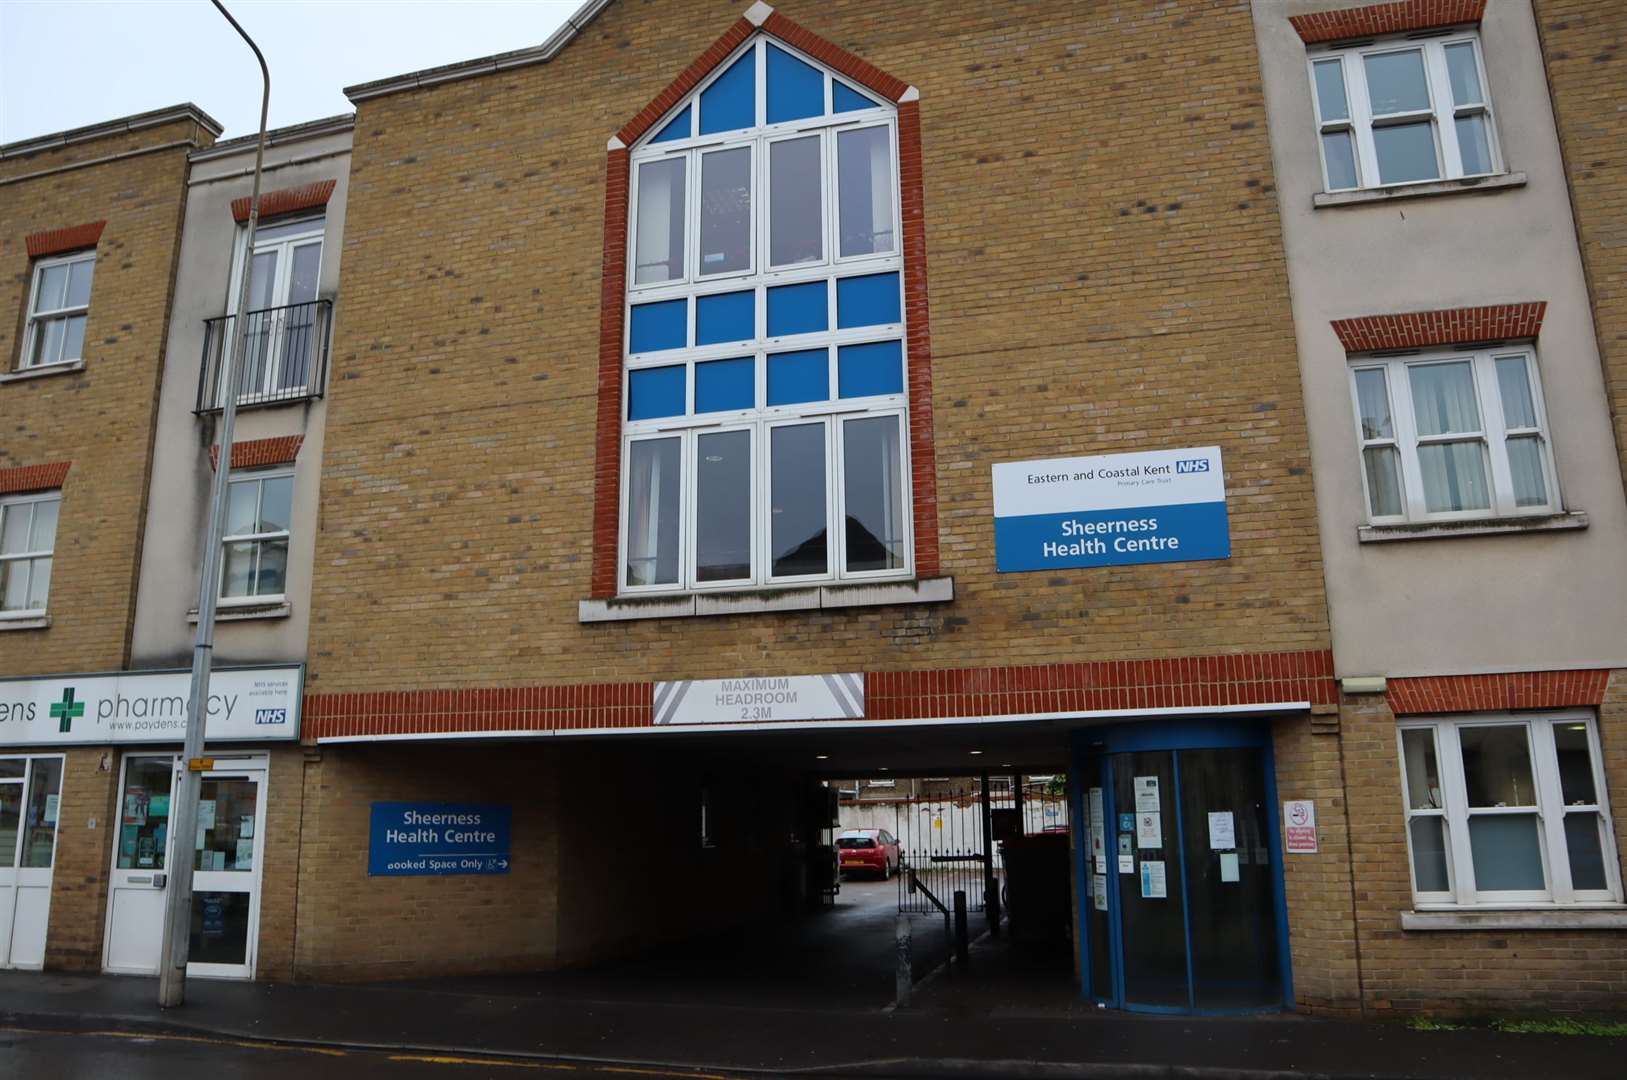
x=285 y=355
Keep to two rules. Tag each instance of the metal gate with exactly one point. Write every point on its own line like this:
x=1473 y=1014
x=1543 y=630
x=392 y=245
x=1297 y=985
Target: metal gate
x=941 y=833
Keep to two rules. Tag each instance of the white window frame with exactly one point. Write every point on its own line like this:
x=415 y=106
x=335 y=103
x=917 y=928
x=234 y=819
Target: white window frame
x=8 y=505
x=1442 y=114
x=315 y=231
x=258 y=476
x=1550 y=811
x=37 y=319
x=834 y=411
x=1493 y=435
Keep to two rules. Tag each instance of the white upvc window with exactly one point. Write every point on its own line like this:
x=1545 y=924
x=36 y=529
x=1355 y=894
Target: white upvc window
x=281 y=335
x=765 y=414
x=57 y=307
x=27 y=543
x=1403 y=111
x=259 y=506
x=1508 y=810
x=1453 y=436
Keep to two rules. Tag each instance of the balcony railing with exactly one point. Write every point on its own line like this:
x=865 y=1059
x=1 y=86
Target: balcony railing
x=285 y=355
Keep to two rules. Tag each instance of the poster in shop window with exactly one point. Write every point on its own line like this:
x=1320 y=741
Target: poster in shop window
x=1154 y=885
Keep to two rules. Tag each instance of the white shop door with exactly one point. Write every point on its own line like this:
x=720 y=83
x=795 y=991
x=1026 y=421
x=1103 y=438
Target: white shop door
x=30 y=803
x=226 y=854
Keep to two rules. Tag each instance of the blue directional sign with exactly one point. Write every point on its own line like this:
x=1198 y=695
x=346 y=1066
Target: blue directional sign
x=1117 y=510
x=413 y=839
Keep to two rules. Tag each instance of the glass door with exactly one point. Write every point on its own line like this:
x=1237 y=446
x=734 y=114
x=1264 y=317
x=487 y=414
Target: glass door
x=280 y=339
x=226 y=856
x=1182 y=906
x=30 y=803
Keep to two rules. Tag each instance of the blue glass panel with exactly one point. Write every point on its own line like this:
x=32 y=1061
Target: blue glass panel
x=797 y=309
x=871 y=300
x=730 y=103
x=653 y=392
x=664 y=325
x=844 y=99
x=798 y=376
x=867 y=370
x=721 y=385
x=795 y=90
x=725 y=317
x=677 y=127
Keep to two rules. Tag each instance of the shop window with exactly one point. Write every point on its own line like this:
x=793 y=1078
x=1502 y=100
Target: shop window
x=1455 y=435
x=1403 y=112
x=1508 y=810
x=765 y=411
x=27 y=545
x=259 y=507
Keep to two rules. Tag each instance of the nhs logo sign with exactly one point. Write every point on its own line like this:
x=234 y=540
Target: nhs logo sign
x=271 y=716
x=1114 y=510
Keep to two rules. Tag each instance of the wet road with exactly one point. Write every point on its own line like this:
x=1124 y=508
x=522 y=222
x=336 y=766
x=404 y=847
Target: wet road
x=25 y=1055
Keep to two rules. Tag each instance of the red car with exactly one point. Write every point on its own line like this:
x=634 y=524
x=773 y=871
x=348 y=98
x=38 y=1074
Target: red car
x=872 y=850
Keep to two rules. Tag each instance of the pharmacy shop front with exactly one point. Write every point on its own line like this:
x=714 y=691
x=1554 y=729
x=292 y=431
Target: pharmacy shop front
x=89 y=765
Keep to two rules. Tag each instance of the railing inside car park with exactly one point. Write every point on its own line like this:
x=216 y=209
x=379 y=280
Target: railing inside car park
x=941 y=838
x=285 y=355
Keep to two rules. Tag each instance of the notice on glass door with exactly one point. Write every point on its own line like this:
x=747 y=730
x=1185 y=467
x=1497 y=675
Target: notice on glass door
x=52 y=803
x=1149 y=830
x=1099 y=892
x=1098 y=832
x=1228 y=866
x=1146 y=788
x=1153 y=882
x=1222 y=831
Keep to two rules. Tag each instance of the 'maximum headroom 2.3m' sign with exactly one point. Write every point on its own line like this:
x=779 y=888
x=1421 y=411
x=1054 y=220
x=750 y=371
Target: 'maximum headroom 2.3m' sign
x=1114 y=510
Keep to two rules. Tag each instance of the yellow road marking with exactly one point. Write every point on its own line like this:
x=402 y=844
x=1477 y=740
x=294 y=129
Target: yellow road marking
x=507 y=1063
x=248 y=1044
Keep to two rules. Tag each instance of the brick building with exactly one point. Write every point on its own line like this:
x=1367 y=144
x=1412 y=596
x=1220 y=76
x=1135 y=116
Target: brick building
x=723 y=403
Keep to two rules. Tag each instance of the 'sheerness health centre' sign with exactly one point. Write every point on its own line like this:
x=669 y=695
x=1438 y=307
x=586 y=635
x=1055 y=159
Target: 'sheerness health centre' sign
x=770 y=698
x=245 y=705
x=1114 y=510
x=414 y=839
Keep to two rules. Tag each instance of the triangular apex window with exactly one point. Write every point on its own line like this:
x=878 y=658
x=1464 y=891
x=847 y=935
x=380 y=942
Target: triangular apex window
x=765 y=418
x=765 y=83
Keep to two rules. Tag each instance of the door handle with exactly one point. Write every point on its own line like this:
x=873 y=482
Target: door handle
x=159 y=880
x=141 y=880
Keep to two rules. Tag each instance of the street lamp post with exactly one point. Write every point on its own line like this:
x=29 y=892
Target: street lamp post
x=177 y=939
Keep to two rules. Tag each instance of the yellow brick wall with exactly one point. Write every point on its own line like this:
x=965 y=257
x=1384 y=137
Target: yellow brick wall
x=1585 y=45
x=1464 y=970
x=101 y=418
x=90 y=778
x=1106 y=274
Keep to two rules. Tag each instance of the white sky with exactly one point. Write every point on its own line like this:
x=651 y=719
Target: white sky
x=68 y=63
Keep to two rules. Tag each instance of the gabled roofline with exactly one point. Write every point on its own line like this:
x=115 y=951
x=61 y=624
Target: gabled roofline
x=485 y=65
x=168 y=114
x=293 y=133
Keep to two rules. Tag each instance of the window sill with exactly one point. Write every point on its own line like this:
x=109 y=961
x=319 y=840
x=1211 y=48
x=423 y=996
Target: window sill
x=806 y=598
x=1603 y=917
x=1324 y=200
x=27 y=622
x=242 y=612
x=42 y=371
x=1435 y=530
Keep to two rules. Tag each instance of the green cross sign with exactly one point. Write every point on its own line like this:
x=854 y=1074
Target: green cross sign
x=67 y=710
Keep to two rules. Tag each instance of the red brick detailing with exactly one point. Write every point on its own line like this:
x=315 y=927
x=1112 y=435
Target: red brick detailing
x=612 y=296
x=259 y=453
x=460 y=712
x=607 y=438
x=1393 y=18
x=690 y=78
x=923 y=455
x=835 y=57
x=1490 y=693
x=61 y=241
x=286 y=200
x=1127 y=686
x=1123 y=685
x=33 y=477
x=1458 y=326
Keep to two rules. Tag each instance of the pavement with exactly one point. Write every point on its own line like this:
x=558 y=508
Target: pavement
x=698 y=1016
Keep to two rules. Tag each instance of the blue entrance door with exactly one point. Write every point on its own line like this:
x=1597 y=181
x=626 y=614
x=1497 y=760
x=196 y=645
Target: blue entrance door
x=1183 y=888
